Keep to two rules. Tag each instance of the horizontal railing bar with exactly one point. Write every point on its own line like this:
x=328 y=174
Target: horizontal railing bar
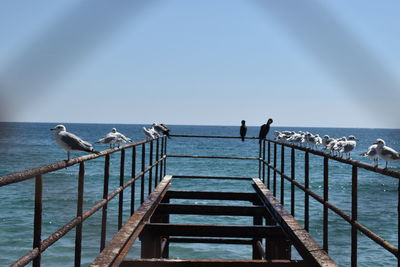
x=211 y=240
x=166 y=208
x=211 y=157
x=371 y=235
x=213 y=136
x=211 y=195
x=77 y=220
x=211 y=177
x=28 y=174
x=384 y=171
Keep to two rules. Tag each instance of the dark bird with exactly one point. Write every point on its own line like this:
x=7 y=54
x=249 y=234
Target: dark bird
x=264 y=129
x=243 y=129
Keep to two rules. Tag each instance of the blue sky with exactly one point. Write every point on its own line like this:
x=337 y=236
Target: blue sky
x=303 y=63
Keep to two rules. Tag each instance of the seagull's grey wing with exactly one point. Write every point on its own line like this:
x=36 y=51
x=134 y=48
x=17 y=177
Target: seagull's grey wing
x=76 y=143
x=106 y=140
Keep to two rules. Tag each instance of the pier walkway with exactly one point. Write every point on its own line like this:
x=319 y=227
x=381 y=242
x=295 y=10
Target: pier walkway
x=275 y=236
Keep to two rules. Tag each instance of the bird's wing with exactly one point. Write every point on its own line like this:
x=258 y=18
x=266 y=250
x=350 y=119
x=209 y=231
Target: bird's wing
x=75 y=143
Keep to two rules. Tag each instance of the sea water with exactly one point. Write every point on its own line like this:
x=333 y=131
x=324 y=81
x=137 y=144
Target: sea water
x=29 y=145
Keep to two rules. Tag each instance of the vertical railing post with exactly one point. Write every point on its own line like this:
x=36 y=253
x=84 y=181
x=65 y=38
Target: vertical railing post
x=269 y=169
x=282 y=174
x=104 y=210
x=326 y=188
x=293 y=177
x=79 y=209
x=263 y=162
x=37 y=221
x=133 y=174
x=156 y=179
x=142 y=178
x=354 y=215
x=306 y=195
x=165 y=153
x=259 y=156
x=121 y=194
x=151 y=169
x=274 y=181
x=162 y=162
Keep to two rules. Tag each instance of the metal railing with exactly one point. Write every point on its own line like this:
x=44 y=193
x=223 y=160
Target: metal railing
x=39 y=245
x=268 y=171
x=269 y=165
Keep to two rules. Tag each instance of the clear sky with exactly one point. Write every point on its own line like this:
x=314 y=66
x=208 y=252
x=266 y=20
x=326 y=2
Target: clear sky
x=204 y=62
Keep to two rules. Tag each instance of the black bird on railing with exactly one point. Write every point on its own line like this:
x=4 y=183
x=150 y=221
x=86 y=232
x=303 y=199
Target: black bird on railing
x=264 y=129
x=243 y=129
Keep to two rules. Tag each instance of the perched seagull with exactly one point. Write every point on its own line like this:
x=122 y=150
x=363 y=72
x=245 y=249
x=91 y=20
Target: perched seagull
x=161 y=128
x=71 y=142
x=114 y=137
x=339 y=144
x=385 y=152
x=148 y=132
x=372 y=152
x=243 y=130
x=349 y=145
x=326 y=140
x=264 y=129
x=297 y=138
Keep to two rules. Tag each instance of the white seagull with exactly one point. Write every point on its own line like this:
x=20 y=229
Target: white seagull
x=348 y=145
x=71 y=142
x=372 y=152
x=386 y=153
x=149 y=133
x=114 y=137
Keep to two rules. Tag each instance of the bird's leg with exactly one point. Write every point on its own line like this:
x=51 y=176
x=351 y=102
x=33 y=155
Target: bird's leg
x=68 y=155
x=386 y=164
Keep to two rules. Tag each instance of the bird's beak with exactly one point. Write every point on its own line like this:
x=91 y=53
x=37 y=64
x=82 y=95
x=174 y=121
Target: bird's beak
x=52 y=129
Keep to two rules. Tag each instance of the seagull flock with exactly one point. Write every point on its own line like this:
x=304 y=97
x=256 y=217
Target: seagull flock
x=340 y=146
x=71 y=142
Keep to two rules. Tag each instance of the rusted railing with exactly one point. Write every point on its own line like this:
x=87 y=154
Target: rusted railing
x=271 y=181
x=39 y=245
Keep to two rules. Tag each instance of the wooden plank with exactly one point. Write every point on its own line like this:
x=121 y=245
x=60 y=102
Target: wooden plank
x=301 y=239
x=131 y=229
x=210 y=210
x=205 y=230
x=211 y=195
x=210 y=263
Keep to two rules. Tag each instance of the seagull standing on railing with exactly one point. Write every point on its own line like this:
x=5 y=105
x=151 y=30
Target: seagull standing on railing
x=264 y=129
x=372 y=152
x=161 y=129
x=243 y=130
x=148 y=133
x=114 y=137
x=349 y=145
x=386 y=153
x=71 y=142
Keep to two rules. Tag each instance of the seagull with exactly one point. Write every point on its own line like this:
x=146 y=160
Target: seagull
x=326 y=140
x=386 y=153
x=372 y=152
x=161 y=128
x=264 y=129
x=71 y=142
x=114 y=137
x=243 y=130
x=348 y=145
x=148 y=132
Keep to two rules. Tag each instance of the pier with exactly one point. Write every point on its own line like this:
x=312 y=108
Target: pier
x=276 y=236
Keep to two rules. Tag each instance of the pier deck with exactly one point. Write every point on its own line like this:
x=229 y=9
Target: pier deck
x=273 y=233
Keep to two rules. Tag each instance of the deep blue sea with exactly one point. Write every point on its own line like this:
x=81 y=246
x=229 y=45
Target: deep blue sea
x=29 y=145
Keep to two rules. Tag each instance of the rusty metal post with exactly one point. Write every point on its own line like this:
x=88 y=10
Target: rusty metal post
x=274 y=182
x=162 y=154
x=354 y=215
x=257 y=220
x=37 y=221
x=151 y=169
x=306 y=195
x=104 y=210
x=165 y=153
x=79 y=209
x=156 y=177
x=142 y=178
x=263 y=162
x=121 y=194
x=133 y=174
x=326 y=190
x=282 y=174
x=259 y=158
x=292 y=174
x=269 y=169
